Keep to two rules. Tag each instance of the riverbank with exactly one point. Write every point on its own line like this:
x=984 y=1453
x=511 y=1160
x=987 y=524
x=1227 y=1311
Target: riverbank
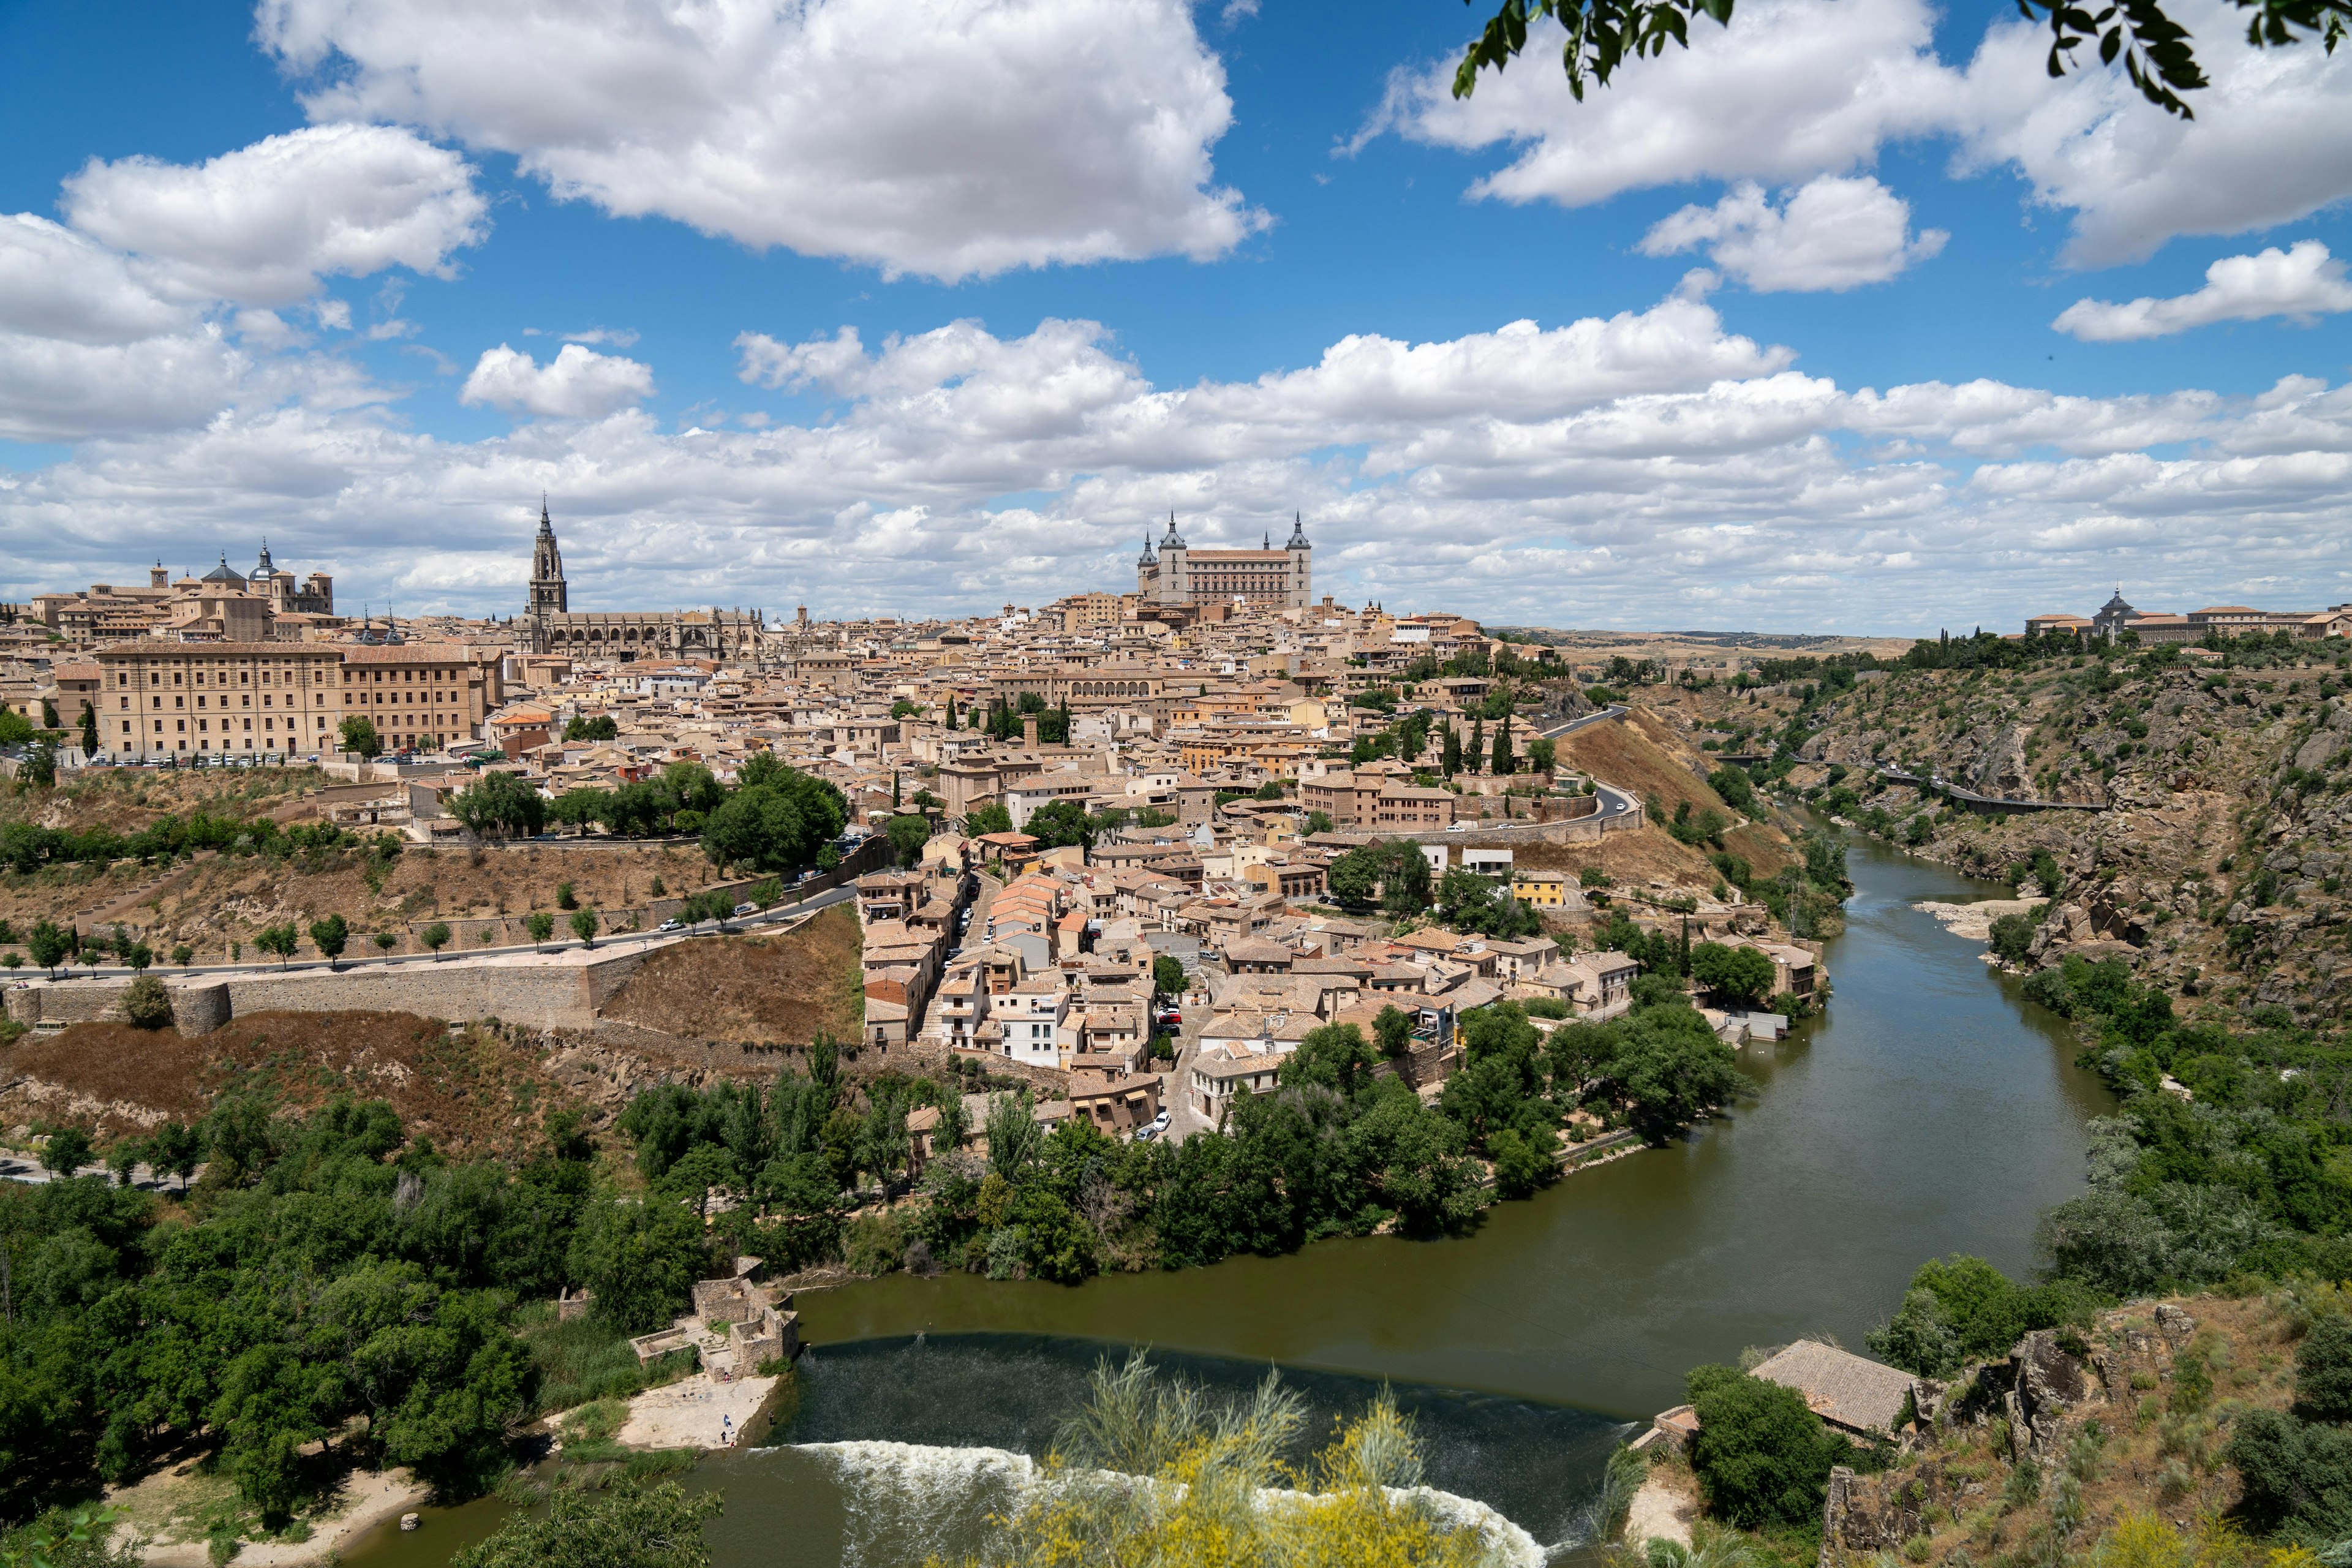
x=1973 y=922
x=169 y=1513
x=1800 y=1212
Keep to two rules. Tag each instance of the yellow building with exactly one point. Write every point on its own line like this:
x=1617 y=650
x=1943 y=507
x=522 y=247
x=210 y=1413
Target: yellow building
x=1543 y=890
x=262 y=700
x=423 y=694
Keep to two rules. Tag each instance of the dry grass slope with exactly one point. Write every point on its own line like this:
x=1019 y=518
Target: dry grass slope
x=768 y=990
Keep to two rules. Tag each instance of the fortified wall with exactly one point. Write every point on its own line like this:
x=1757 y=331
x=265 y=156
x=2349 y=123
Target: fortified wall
x=562 y=991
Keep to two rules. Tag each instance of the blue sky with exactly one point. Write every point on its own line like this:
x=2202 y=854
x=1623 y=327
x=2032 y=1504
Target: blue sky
x=1791 y=362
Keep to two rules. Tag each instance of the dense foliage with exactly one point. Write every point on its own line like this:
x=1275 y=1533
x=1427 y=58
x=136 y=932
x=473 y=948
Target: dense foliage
x=2254 y=1174
x=1761 y=1457
x=332 y=1293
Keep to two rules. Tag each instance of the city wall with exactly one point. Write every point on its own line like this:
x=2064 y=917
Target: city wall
x=561 y=992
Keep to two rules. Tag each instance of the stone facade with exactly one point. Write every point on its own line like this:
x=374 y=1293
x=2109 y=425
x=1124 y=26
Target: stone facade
x=627 y=636
x=1178 y=577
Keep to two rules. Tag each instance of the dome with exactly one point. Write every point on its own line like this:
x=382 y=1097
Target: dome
x=225 y=573
x=265 y=567
x=1298 y=532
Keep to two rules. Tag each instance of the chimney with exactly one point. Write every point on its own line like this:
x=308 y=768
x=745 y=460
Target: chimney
x=1029 y=732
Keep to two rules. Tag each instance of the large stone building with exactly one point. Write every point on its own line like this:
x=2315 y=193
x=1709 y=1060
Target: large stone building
x=1178 y=577
x=627 y=636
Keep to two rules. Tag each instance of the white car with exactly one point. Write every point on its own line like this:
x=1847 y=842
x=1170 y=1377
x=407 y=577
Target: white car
x=1159 y=1123
x=742 y=910
x=669 y=925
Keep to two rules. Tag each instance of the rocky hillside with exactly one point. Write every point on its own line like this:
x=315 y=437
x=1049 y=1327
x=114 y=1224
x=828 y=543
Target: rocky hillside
x=2215 y=862
x=2123 y=1439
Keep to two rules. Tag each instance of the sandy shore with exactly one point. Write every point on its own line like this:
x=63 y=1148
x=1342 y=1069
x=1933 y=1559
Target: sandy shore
x=369 y=1499
x=1662 y=1509
x=1974 y=921
x=694 y=1413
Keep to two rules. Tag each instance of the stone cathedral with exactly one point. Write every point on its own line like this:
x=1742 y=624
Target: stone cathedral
x=627 y=636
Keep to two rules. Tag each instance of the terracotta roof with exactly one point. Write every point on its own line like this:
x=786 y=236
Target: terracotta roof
x=1838 y=1386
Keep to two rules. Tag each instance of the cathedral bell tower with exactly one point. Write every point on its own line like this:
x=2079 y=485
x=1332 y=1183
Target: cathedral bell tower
x=547 y=596
x=1301 y=575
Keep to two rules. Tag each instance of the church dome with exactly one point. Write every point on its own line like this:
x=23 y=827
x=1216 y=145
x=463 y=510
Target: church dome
x=225 y=573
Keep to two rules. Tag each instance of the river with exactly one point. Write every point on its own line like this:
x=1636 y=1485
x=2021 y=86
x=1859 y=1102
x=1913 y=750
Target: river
x=1932 y=1110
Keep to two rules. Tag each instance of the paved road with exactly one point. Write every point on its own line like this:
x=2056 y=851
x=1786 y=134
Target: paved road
x=706 y=927
x=1614 y=711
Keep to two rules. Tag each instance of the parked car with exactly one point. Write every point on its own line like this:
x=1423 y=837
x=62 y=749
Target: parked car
x=1159 y=1123
x=1145 y=1135
x=669 y=925
x=1172 y=1019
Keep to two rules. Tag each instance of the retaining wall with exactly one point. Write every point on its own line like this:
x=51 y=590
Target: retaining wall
x=555 y=996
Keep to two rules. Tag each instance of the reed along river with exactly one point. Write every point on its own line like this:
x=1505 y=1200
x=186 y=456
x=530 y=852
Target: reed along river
x=1933 y=1110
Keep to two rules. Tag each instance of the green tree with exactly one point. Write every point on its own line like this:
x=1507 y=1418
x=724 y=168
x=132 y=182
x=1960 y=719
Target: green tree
x=641 y=1258
x=1738 y=790
x=330 y=936
x=907 y=835
x=601 y=727
x=48 y=943
x=1166 y=975
x=1543 y=755
x=583 y=926
x=991 y=818
x=500 y=802
x=384 y=943
x=565 y=898
x=435 y=937
x=1061 y=822
x=1740 y=974
x=1013 y=1140
x=89 y=731
x=2011 y=937
x=1504 y=764
x=280 y=940
x=67 y=1150
x=541 y=925
x=1392 y=1028
x=624 y=1526
x=1762 y=1457
x=174 y=1149
x=360 y=738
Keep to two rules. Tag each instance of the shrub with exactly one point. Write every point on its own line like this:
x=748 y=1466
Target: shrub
x=2011 y=936
x=876 y=1243
x=2322 y=1371
x=1761 y=1457
x=147 y=1005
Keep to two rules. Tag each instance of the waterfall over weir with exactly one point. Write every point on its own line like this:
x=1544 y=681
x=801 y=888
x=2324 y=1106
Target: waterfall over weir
x=910 y=1501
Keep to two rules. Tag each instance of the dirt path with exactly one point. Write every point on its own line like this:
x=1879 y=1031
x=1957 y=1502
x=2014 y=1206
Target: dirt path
x=1662 y=1509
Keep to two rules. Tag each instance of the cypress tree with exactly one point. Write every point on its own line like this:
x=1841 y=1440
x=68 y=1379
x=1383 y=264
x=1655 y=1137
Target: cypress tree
x=1502 y=762
x=1451 y=752
x=1477 y=742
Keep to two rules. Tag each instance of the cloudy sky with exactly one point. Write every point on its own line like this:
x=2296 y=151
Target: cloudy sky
x=1846 y=319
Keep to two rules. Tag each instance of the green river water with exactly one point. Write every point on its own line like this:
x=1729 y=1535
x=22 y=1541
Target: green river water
x=1933 y=1110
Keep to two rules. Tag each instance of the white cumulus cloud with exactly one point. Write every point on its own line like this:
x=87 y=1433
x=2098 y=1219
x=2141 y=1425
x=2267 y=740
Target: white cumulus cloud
x=1831 y=234
x=2301 y=283
x=1650 y=467
x=952 y=138
x=1795 y=88
x=261 y=224
x=577 y=384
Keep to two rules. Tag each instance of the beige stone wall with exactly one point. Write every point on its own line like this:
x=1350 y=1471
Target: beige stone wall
x=547 y=996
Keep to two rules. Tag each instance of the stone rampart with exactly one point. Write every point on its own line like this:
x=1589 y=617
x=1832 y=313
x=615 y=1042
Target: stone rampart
x=555 y=996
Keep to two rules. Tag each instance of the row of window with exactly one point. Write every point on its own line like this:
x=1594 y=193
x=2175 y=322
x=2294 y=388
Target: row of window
x=180 y=726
